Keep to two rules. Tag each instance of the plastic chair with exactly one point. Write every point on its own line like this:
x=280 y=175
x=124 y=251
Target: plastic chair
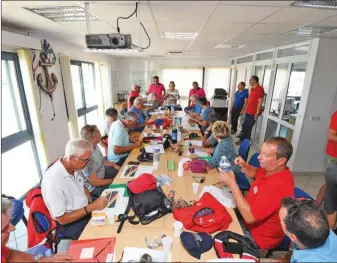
x=242 y=180
x=40 y=249
x=284 y=246
x=244 y=149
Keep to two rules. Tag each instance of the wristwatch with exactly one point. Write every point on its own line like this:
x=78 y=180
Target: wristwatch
x=38 y=257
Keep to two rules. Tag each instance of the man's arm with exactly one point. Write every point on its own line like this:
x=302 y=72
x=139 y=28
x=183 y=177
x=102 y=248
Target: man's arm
x=125 y=149
x=332 y=136
x=244 y=107
x=87 y=193
x=18 y=256
x=249 y=170
x=142 y=125
x=111 y=164
x=96 y=181
x=258 y=108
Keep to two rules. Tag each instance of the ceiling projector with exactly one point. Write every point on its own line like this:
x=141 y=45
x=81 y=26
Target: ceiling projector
x=108 y=41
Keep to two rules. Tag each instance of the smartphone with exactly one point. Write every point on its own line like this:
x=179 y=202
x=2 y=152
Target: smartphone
x=233 y=247
x=133 y=163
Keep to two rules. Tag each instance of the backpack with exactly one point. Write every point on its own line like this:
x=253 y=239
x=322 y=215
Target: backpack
x=206 y=215
x=147 y=201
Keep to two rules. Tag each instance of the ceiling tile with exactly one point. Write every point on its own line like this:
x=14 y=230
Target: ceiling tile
x=43 y=3
x=176 y=45
x=181 y=27
x=225 y=29
x=19 y=15
x=284 y=40
x=251 y=14
x=129 y=27
x=271 y=28
x=299 y=15
x=257 y=3
x=175 y=12
x=331 y=21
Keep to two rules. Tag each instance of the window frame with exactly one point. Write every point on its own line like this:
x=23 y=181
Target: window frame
x=84 y=110
x=16 y=139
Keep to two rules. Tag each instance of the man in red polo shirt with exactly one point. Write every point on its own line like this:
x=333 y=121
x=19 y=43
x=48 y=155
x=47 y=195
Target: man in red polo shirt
x=253 y=109
x=273 y=182
x=133 y=95
x=158 y=88
x=11 y=255
x=196 y=90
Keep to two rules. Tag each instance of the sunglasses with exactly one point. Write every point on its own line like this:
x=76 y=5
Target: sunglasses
x=293 y=210
x=199 y=179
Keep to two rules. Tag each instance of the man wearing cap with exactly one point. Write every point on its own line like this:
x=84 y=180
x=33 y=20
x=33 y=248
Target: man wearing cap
x=273 y=182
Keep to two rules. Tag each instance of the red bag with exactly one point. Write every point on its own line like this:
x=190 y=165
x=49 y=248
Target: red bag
x=206 y=215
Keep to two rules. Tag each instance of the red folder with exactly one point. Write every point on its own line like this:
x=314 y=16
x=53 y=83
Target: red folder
x=102 y=247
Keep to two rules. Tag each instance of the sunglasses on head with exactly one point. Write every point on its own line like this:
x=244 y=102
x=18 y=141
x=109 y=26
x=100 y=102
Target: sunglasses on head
x=301 y=201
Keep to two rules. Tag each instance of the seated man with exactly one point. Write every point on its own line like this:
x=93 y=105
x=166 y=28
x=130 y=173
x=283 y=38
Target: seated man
x=119 y=143
x=111 y=115
x=11 y=255
x=154 y=101
x=137 y=107
x=307 y=227
x=194 y=108
x=208 y=139
x=273 y=182
x=66 y=198
x=99 y=173
x=202 y=120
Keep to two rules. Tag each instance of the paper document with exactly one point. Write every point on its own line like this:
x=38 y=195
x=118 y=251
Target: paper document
x=152 y=134
x=135 y=254
x=200 y=153
x=230 y=260
x=87 y=252
x=150 y=148
x=223 y=196
x=196 y=143
x=156 y=112
x=192 y=127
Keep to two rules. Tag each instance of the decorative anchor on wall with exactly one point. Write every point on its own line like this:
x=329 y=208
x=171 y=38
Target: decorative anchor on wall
x=51 y=80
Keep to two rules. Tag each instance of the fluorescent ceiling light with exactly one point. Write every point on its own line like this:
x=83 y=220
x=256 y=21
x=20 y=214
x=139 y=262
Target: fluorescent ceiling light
x=176 y=53
x=332 y=5
x=179 y=36
x=313 y=30
x=230 y=46
x=71 y=13
x=115 y=50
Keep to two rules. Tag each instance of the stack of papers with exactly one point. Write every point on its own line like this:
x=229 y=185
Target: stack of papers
x=152 y=134
x=163 y=179
x=200 y=153
x=157 y=112
x=196 y=143
x=223 y=196
x=150 y=148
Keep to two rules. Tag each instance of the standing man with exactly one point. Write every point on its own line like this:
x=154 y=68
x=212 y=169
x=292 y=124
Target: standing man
x=158 y=88
x=196 y=90
x=239 y=105
x=253 y=110
x=133 y=95
x=329 y=189
x=99 y=173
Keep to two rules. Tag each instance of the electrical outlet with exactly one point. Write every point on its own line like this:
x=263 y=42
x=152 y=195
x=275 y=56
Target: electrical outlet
x=314 y=118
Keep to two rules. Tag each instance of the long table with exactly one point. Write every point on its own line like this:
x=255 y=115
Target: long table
x=134 y=235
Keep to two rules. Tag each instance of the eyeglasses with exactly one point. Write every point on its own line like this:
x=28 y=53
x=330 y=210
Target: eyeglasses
x=96 y=256
x=293 y=210
x=199 y=179
x=85 y=161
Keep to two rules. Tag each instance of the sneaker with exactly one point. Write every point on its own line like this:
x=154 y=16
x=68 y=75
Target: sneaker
x=238 y=142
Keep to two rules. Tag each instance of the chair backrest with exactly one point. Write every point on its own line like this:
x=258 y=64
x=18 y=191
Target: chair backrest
x=300 y=193
x=18 y=211
x=244 y=149
x=254 y=161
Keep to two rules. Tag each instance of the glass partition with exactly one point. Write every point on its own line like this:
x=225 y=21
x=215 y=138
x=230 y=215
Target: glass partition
x=271 y=129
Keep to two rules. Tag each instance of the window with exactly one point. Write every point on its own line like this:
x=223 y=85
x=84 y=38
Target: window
x=218 y=78
x=271 y=129
x=279 y=88
x=183 y=78
x=264 y=56
x=245 y=59
x=294 y=92
x=17 y=137
x=293 y=51
x=259 y=72
x=85 y=92
x=286 y=133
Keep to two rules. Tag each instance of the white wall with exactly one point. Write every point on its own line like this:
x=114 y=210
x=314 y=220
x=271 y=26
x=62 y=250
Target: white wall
x=56 y=132
x=130 y=69
x=310 y=153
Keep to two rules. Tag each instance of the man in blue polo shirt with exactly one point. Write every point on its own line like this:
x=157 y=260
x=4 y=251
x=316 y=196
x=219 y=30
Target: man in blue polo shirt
x=239 y=105
x=138 y=104
x=202 y=119
x=307 y=227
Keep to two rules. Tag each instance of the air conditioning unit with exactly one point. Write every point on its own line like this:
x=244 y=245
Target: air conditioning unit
x=108 y=41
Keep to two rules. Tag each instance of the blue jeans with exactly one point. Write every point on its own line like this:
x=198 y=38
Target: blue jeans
x=247 y=127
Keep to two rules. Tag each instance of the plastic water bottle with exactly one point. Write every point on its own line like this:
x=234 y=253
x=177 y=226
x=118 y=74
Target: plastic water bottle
x=225 y=165
x=179 y=136
x=180 y=169
x=172 y=108
x=156 y=157
x=174 y=134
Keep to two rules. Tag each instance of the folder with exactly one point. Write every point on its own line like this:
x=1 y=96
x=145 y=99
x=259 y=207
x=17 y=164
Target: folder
x=93 y=250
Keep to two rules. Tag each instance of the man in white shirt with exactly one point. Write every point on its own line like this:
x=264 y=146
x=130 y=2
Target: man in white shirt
x=66 y=198
x=119 y=142
x=99 y=173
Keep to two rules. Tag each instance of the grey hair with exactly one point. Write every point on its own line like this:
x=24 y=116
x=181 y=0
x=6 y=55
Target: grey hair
x=130 y=116
x=77 y=147
x=138 y=100
x=6 y=206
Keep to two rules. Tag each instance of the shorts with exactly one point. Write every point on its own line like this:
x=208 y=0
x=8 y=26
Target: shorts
x=330 y=198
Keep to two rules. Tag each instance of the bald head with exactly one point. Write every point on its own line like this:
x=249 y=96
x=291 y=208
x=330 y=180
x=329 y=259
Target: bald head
x=135 y=87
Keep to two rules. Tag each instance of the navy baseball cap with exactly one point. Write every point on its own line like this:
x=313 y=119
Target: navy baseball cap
x=196 y=243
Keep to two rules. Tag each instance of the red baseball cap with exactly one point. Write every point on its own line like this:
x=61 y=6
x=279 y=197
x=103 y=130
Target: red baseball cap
x=143 y=183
